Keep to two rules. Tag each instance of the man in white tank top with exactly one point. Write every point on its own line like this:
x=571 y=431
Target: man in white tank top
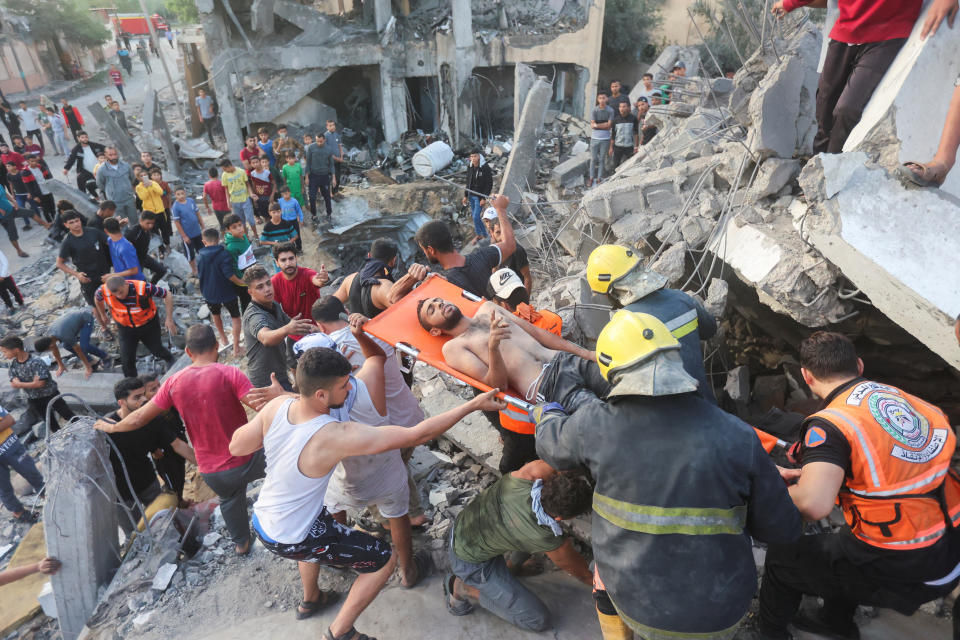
x=303 y=444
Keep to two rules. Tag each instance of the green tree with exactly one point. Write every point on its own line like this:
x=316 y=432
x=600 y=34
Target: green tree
x=628 y=26
x=725 y=34
x=51 y=19
x=184 y=10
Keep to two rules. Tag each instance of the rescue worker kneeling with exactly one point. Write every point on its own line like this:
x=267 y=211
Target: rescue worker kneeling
x=681 y=486
x=885 y=456
x=618 y=273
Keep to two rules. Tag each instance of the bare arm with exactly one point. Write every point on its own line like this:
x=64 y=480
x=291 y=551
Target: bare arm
x=63 y=266
x=508 y=243
x=273 y=337
x=816 y=491
x=169 y=322
x=184 y=450
x=415 y=273
x=549 y=340
x=7 y=421
x=567 y=558
x=343 y=291
x=136 y=420
x=83 y=358
x=47 y=566
x=464 y=360
x=249 y=438
x=374 y=359
x=527 y=278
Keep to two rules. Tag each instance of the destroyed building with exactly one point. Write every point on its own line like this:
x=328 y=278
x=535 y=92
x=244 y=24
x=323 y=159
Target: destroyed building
x=427 y=65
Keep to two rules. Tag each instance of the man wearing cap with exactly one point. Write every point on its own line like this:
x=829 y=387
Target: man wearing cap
x=510 y=293
x=618 y=273
x=672 y=542
x=479 y=181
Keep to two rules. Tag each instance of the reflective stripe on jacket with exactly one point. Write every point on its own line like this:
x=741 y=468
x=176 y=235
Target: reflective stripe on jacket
x=139 y=313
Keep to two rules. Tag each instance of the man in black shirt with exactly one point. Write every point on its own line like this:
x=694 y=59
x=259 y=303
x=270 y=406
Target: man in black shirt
x=518 y=262
x=617 y=98
x=472 y=272
x=139 y=236
x=626 y=134
x=106 y=210
x=87 y=249
x=479 y=180
x=84 y=155
x=135 y=448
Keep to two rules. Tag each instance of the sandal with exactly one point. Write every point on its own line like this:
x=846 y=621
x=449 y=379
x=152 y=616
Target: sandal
x=351 y=634
x=926 y=178
x=424 y=563
x=462 y=607
x=310 y=607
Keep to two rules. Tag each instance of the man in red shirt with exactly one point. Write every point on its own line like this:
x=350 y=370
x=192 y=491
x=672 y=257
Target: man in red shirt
x=209 y=398
x=117 y=79
x=295 y=288
x=864 y=40
x=215 y=195
x=8 y=156
x=249 y=152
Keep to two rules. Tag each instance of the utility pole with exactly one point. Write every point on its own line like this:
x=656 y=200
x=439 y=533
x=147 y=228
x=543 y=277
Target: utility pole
x=163 y=61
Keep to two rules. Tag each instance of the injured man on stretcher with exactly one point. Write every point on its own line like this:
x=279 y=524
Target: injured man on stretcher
x=507 y=352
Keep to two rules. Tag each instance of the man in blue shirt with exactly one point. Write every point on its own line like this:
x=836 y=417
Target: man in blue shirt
x=186 y=217
x=8 y=220
x=123 y=255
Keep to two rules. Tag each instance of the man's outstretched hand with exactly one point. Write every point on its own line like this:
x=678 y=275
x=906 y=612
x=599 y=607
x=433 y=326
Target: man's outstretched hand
x=938 y=11
x=488 y=401
x=260 y=396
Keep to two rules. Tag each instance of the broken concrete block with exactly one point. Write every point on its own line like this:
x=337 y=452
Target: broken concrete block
x=47 y=600
x=164 y=575
x=889 y=242
x=773 y=175
x=571 y=169
x=737 y=385
x=579 y=147
x=695 y=230
x=672 y=264
x=211 y=539
x=716 y=302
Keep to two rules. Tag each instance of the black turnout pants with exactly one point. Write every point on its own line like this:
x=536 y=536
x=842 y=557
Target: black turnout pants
x=149 y=335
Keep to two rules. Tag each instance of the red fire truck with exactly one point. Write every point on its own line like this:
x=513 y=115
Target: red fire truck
x=136 y=23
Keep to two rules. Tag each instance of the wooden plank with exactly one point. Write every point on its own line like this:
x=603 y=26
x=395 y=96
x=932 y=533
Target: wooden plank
x=18 y=600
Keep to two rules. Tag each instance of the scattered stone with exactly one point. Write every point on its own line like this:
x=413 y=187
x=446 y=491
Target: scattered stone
x=164 y=575
x=672 y=264
x=211 y=539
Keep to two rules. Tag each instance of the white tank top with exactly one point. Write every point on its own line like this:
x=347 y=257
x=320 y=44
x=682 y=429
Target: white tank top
x=289 y=501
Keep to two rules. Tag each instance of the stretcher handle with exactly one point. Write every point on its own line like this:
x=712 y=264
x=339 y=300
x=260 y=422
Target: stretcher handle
x=408 y=350
x=517 y=402
x=472 y=297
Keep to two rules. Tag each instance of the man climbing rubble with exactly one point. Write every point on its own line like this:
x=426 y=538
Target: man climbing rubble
x=618 y=273
x=372 y=289
x=303 y=443
x=885 y=456
x=521 y=513
x=672 y=543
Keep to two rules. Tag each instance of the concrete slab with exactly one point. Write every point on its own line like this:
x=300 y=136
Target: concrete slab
x=889 y=241
x=419 y=614
x=896 y=126
x=123 y=142
x=97 y=390
x=523 y=158
x=18 y=600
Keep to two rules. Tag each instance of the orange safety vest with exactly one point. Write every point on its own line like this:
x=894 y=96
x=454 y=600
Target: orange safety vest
x=901 y=493
x=140 y=313
x=513 y=418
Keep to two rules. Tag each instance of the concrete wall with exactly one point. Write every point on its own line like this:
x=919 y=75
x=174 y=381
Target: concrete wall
x=10 y=80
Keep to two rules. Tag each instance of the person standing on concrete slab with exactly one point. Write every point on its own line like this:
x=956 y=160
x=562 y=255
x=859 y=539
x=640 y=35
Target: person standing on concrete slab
x=215 y=196
x=89 y=252
x=304 y=443
x=9 y=292
x=335 y=142
x=84 y=155
x=672 y=546
x=14 y=457
x=117 y=78
x=266 y=329
x=601 y=120
x=619 y=274
x=321 y=174
x=864 y=40
x=208 y=115
x=521 y=513
x=625 y=140
x=471 y=272
x=29 y=116
x=130 y=303
x=479 y=186
x=218 y=284
x=134 y=449
x=115 y=180
x=119 y=117
x=210 y=398
x=144 y=58
x=32 y=375
x=296 y=288
x=73 y=331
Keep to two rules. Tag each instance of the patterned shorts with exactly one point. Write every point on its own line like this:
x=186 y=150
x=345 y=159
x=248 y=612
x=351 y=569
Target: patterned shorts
x=329 y=542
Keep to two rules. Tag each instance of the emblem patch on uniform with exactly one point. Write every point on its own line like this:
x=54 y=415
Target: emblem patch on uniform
x=928 y=453
x=815 y=437
x=899 y=419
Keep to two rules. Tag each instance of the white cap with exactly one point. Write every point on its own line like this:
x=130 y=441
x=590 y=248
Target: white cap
x=490 y=213
x=311 y=341
x=504 y=282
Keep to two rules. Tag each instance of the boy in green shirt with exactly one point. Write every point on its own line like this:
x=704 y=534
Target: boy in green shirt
x=238 y=246
x=292 y=174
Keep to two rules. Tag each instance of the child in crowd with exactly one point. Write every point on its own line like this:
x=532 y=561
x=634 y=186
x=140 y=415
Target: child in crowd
x=163 y=217
x=123 y=255
x=291 y=212
x=219 y=285
x=150 y=193
x=32 y=375
x=215 y=196
x=261 y=184
x=31 y=148
x=278 y=230
x=186 y=217
x=8 y=288
x=237 y=244
x=292 y=174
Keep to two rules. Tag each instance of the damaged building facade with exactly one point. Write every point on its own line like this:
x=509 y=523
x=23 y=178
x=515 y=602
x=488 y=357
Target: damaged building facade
x=382 y=68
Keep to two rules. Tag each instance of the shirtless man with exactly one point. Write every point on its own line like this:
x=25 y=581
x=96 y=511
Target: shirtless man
x=505 y=351
x=371 y=289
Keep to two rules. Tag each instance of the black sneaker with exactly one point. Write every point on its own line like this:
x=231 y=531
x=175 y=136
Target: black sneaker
x=26 y=517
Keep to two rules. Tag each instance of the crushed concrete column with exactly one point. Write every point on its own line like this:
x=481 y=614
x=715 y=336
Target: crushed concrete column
x=523 y=157
x=393 y=103
x=80 y=521
x=223 y=89
x=123 y=142
x=382 y=12
x=523 y=79
x=261 y=16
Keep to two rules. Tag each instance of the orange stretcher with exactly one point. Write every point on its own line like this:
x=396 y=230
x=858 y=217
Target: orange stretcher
x=398 y=325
